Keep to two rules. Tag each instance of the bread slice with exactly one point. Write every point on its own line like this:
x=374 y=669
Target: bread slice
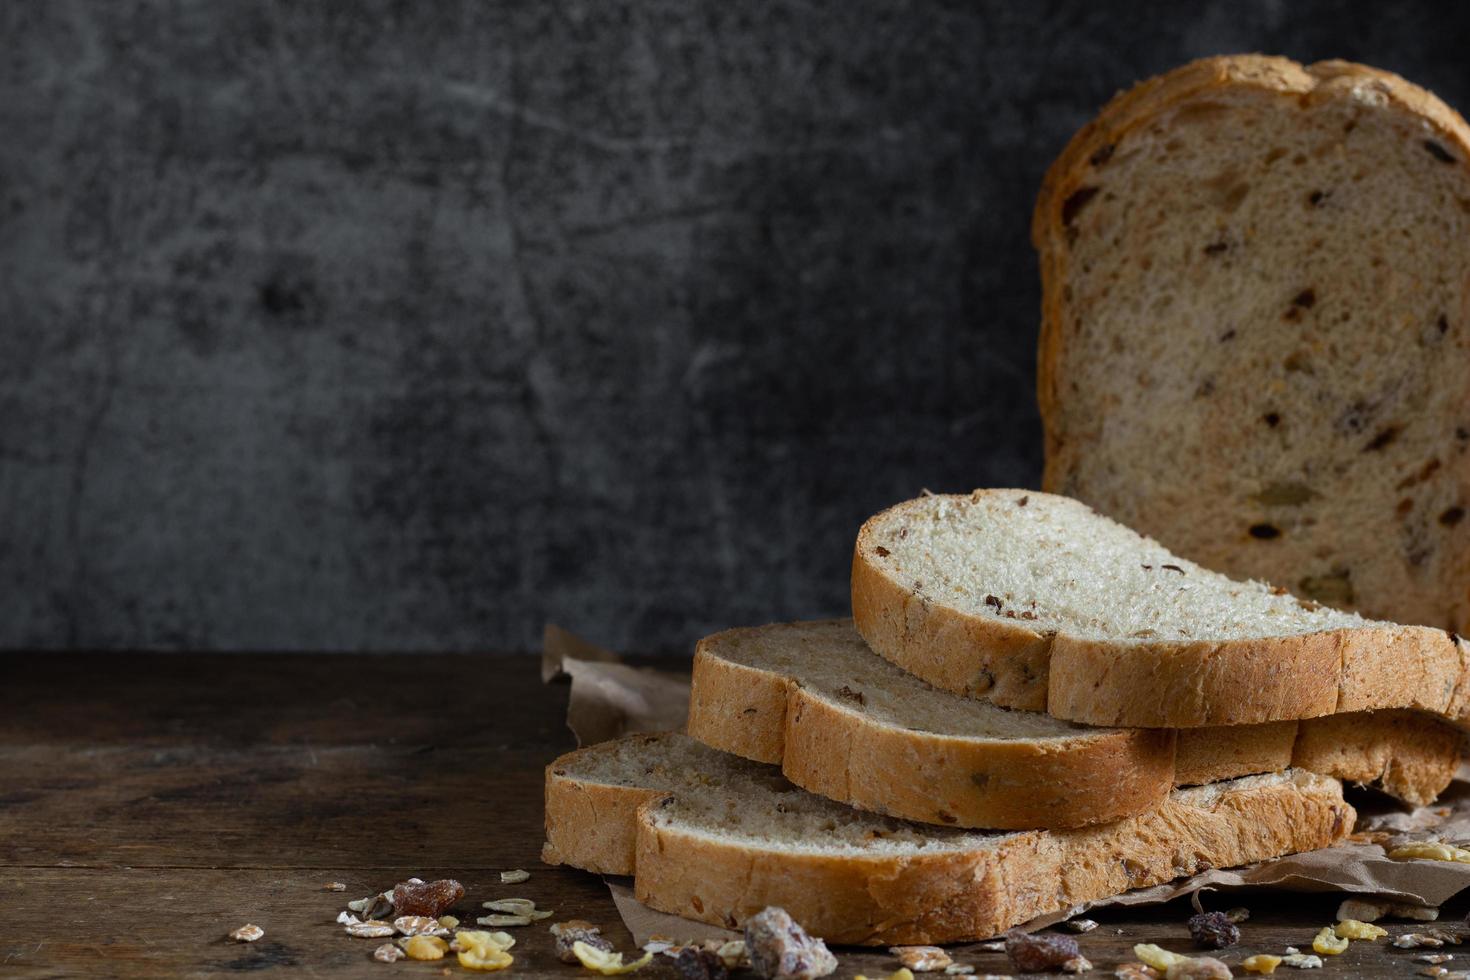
x=845 y=724
x=1255 y=326
x=718 y=838
x=1035 y=601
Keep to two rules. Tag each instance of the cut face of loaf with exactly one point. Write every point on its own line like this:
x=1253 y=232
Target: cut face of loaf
x=1256 y=325
x=1035 y=601
x=719 y=849
x=845 y=724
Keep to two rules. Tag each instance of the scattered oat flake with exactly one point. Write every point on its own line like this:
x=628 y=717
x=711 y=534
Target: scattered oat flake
x=731 y=952
x=994 y=946
x=504 y=920
x=1435 y=958
x=921 y=959
x=512 y=906
x=1302 y=962
x=418 y=925
x=1136 y=971
x=371 y=929
x=959 y=968
x=1238 y=914
x=514 y=877
x=604 y=962
x=387 y=953
x=347 y=919
x=1410 y=940
x=361 y=904
x=1079 y=925
x=334 y=886
x=899 y=974
x=248 y=933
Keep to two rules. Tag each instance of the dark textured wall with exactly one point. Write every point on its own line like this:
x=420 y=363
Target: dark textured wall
x=412 y=325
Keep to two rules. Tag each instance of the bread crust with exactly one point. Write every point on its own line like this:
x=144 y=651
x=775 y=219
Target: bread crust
x=1134 y=109
x=843 y=754
x=1410 y=756
x=1187 y=684
x=1208 y=755
x=965 y=895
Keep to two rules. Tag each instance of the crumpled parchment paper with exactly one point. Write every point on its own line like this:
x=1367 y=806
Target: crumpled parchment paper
x=610 y=698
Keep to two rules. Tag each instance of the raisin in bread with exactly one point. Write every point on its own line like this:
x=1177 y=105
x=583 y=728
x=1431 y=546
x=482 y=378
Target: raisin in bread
x=1256 y=321
x=1035 y=601
x=717 y=839
x=846 y=724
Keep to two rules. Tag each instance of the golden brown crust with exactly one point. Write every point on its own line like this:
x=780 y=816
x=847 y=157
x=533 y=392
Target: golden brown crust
x=1208 y=755
x=588 y=823
x=846 y=755
x=965 y=895
x=1135 y=108
x=1177 y=684
x=1410 y=756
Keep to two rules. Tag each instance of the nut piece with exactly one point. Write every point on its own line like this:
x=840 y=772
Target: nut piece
x=248 y=933
x=780 y=949
x=1260 y=963
x=1034 y=954
x=1328 y=943
x=1302 y=961
x=1353 y=929
x=577 y=931
x=921 y=959
x=700 y=964
x=1079 y=925
x=604 y=962
x=514 y=877
x=1430 y=851
x=419 y=925
x=387 y=953
x=1198 y=968
x=431 y=898
x=371 y=929
x=424 y=947
x=1213 y=930
x=1156 y=956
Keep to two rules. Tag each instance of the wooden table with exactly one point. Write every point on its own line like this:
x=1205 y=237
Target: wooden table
x=149 y=804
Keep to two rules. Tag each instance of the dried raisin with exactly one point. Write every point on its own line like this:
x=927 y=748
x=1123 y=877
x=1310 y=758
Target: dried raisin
x=1213 y=930
x=1036 y=954
x=700 y=964
x=431 y=898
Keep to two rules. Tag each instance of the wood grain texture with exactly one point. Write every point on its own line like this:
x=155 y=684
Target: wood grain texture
x=150 y=804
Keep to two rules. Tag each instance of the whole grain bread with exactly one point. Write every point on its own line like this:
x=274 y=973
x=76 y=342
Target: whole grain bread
x=844 y=723
x=731 y=837
x=1256 y=321
x=1035 y=601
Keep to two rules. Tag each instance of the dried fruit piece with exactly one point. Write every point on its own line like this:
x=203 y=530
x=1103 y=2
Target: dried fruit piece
x=1079 y=925
x=424 y=947
x=1156 y=956
x=1353 y=929
x=1328 y=943
x=1034 y=954
x=1302 y=961
x=419 y=925
x=780 y=949
x=478 y=950
x=606 y=962
x=514 y=877
x=1260 y=963
x=921 y=959
x=248 y=933
x=1430 y=851
x=1213 y=930
x=1198 y=968
x=371 y=929
x=431 y=898
x=387 y=953
x=700 y=964
x=448 y=921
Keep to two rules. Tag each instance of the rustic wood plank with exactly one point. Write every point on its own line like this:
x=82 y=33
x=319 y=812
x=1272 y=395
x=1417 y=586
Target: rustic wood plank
x=149 y=804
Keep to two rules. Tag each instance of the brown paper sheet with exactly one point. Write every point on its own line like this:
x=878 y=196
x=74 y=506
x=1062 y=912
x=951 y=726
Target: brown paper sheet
x=611 y=699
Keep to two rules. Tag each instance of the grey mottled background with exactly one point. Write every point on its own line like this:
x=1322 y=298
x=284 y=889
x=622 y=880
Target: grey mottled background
x=376 y=326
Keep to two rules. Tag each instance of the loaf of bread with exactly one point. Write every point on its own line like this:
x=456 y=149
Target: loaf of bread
x=1256 y=325
x=846 y=724
x=715 y=838
x=1036 y=601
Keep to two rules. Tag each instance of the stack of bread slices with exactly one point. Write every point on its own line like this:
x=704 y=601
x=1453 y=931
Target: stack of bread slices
x=1035 y=707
